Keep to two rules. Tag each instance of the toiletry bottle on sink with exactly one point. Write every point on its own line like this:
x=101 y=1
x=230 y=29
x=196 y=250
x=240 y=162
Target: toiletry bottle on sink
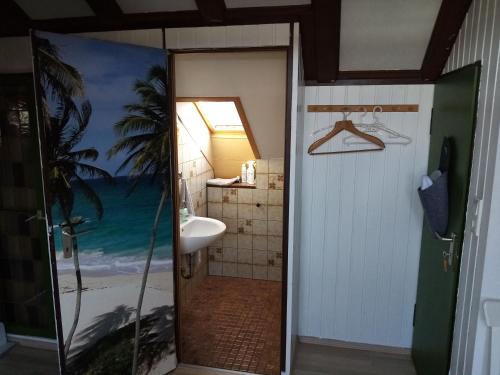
x=251 y=173
x=244 y=173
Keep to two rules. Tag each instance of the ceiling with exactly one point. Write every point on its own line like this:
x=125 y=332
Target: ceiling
x=341 y=40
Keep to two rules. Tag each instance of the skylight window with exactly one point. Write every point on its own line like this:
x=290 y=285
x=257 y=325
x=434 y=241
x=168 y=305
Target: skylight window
x=223 y=116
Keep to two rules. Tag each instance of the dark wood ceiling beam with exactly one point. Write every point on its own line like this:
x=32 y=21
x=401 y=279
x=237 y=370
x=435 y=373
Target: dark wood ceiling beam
x=12 y=17
x=212 y=10
x=308 y=44
x=448 y=23
x=105 y=8
x=126 y=21
x=327 y=36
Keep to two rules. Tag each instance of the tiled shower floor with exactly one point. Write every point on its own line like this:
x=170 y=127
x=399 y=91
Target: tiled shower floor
x=234 y=324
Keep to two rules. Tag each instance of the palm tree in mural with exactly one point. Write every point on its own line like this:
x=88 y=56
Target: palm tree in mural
x=59 y=80
x=67 y=169
x=145 y=136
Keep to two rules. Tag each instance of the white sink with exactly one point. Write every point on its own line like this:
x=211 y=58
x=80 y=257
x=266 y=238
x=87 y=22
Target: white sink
x=199 y=232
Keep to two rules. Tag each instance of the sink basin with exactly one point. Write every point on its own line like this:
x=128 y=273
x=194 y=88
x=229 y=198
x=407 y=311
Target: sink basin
x=199 y=232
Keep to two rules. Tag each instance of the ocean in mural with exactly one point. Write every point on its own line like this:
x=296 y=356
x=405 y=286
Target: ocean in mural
x=118 y=243
x=107 y=171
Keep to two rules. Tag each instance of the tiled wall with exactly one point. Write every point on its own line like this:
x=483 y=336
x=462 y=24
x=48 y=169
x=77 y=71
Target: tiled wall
x=252 y=245
x=25 y=287
x=196 y=169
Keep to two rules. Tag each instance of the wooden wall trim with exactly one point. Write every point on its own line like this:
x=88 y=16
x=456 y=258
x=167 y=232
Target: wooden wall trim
x=212 y=10
x=105 y=8
x=354 y=345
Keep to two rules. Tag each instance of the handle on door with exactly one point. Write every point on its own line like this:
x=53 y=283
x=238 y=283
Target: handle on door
x=38 y=216
x=448 y=255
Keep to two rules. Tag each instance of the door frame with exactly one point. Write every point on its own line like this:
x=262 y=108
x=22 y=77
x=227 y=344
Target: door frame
x=286 y=191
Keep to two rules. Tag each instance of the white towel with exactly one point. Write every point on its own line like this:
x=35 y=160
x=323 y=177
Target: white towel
x=223 y=181
x=186 y=200
x=426 y=183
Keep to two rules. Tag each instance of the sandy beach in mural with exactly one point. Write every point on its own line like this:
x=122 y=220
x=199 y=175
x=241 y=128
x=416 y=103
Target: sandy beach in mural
x=103 y=294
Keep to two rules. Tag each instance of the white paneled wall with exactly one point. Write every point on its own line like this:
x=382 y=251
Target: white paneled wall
x=479 y=40
x=146 y=38
x=362 y=222
x=228 y=36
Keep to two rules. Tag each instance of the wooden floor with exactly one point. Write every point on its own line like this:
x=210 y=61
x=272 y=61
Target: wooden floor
x=21 y=360
x=326 y=360
x=310 y=360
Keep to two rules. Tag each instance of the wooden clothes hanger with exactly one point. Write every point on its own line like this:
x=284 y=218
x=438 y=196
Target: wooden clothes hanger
x=348 y=126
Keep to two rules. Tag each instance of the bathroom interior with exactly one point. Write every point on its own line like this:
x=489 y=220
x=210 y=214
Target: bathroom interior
x=285 y=248
x=230 y=151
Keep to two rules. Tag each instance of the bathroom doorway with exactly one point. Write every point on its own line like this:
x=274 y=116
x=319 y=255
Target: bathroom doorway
x=231 y=294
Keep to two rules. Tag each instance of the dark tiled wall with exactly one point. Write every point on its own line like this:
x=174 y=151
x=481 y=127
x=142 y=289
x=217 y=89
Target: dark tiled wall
x=25 y=292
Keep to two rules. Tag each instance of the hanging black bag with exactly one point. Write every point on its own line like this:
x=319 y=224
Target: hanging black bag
x=435 y=198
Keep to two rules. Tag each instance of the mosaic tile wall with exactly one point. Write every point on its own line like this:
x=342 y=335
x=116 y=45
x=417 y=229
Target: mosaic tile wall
x=197 y=171
x=25 y=289
x=252 y=245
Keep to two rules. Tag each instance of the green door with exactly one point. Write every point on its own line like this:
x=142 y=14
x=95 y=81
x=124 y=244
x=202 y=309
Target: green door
x=454 y=116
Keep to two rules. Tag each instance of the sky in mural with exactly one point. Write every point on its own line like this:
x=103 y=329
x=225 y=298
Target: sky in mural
x=109 y=71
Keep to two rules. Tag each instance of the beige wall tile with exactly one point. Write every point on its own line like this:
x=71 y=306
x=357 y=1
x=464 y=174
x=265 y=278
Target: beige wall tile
x=230 y=240
x=215 y=254
x=259 y=213
x=245 y=195
x=229 y=254
x=274 y=273
x=214 y=210
x=260 y=272
x=274 y=228
x=244 y=241
x=215 y=268
x=275 y=243
x=259 y=243
x=259 y=257
x=259 y=196
x=229 y=195
x=231 y=225
x=245 y=226
x=262 y=181
x=245 y=256
x=275 y=258
x=229 y=269
x=277 y=165
x=275 y=213
x=262 y=166
x=217 y=243
x=230 y=210
x=244 y=211
x=214 y=194
x=245 y=271
x=275 y=197
x=259 y=226
x=276 y=181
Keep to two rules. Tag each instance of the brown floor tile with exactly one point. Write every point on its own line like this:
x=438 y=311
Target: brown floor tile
x=233 y=324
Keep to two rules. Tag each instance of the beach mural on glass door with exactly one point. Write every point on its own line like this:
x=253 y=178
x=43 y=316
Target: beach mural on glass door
x=106 y=131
